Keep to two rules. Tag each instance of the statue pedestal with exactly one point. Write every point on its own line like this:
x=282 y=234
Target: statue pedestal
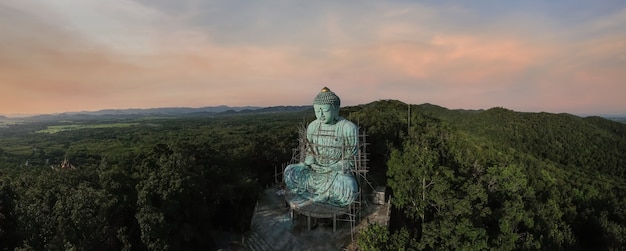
x=272 y=227
x=312 y=209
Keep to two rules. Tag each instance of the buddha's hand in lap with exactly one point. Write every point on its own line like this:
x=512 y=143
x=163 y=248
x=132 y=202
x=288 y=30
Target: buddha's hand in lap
x=341 y=166
x=310 y=160
x=320 y=169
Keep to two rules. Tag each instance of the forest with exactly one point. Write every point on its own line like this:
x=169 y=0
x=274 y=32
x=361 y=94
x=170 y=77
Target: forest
x=459 y=179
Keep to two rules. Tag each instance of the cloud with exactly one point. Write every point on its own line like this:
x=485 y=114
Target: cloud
x=69 y=55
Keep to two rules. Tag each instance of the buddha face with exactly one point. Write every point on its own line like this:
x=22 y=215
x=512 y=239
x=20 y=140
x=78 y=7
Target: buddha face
x=327 y=114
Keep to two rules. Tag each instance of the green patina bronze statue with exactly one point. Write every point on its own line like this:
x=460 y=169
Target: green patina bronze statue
x=332 y=142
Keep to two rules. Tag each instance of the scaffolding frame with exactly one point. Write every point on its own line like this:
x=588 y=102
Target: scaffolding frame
x=350 y=213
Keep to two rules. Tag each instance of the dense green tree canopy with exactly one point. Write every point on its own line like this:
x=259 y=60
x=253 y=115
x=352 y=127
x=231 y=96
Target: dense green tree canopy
x=158 y=184
x=499 y=179
x=468 y=180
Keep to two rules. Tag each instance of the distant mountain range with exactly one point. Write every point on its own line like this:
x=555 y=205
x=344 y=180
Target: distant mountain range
x=167 y=111
x=203 y=111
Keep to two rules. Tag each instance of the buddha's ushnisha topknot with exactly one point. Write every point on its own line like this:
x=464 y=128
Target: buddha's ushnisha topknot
x=327 y=97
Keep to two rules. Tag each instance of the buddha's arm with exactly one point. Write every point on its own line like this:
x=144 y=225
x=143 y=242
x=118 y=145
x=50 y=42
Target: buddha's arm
x=351 y=135
x=351 y=132
x=309 y=154
x=351 y=142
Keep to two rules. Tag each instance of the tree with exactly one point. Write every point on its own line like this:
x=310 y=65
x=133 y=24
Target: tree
x=81 y=217
x=172 y=202
x=8 y=223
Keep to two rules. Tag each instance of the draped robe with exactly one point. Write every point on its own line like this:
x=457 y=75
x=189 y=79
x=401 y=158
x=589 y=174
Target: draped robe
x=326 y=174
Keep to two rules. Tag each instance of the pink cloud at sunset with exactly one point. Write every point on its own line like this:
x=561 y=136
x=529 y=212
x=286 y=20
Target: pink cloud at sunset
x=58 y=56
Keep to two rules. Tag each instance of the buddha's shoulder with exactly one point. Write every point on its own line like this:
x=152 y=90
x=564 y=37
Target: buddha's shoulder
x=314 y=123
x=346 y=124
x=313 y=126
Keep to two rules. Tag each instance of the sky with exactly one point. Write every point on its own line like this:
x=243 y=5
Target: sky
x=530 y=56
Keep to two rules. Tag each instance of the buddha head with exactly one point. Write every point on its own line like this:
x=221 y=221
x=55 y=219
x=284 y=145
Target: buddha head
x=326 y=105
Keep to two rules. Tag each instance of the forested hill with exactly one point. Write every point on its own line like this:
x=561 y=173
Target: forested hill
x=460 y=179
x=592 y=144
x=498 y=179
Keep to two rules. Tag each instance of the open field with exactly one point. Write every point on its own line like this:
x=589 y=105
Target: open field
x=59 y=128
x=9 y=122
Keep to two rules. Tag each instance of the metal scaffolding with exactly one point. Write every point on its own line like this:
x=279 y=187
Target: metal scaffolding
x=313 y=210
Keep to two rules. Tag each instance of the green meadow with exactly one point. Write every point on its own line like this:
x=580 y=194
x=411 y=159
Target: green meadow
x=59 y=128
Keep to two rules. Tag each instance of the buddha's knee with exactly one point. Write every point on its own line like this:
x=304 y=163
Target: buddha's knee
x=295 y=174
x=345 y=187
x=347 y=181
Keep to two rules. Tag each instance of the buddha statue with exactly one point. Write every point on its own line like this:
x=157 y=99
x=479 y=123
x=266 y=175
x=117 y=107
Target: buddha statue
x=331 y=142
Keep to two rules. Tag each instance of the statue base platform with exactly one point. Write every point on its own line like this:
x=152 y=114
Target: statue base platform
x=312 y=209
x=276 y=226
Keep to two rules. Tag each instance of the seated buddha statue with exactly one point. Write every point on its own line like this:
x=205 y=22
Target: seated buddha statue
x=331 y=146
